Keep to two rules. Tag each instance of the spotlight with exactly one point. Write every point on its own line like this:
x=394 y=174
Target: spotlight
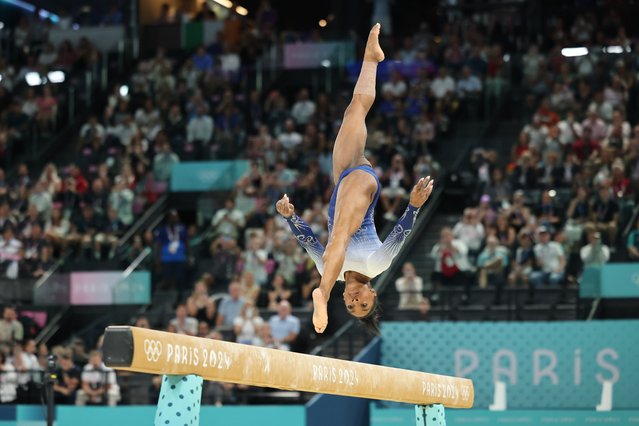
x=56 y=76
x=571 y=52
x=613 y=49
x=241 y=10
x=226 y=3
x=322 y=23
x=33 y=79
x=326 y=63
x=124 y=90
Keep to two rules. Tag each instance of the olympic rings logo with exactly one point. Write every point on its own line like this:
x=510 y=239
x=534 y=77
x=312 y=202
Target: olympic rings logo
x=152 y=349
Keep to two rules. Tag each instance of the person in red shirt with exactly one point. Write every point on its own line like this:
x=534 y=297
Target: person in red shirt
x=585 y=145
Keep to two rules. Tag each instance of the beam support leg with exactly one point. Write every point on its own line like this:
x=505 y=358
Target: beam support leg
x=430 y=415
x=179 y=402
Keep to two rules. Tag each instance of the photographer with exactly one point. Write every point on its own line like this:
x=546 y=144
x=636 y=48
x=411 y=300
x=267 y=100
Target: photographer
x=68 y=379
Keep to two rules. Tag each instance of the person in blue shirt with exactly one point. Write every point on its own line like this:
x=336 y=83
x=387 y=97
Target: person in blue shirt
x=354 y=254
x=201 y=60
x=173 y=245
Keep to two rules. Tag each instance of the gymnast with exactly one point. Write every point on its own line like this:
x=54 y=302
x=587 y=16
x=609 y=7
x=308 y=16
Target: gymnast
x=354 y=254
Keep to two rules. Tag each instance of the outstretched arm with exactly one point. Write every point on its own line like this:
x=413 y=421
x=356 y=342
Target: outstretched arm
x=302 y=231
x=382 y=258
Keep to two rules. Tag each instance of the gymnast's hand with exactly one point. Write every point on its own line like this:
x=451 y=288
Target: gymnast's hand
x=284 y=207
x=421 y=192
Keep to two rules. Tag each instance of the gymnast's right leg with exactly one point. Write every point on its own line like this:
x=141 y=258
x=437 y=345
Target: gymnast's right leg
x=351 y=138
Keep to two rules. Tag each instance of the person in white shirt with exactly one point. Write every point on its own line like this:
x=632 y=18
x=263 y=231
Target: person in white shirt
x=92 y=129
x=289 y=138
x=228 y=221
x=183 y=323
x=304 y=109
x=595 y=253
x=410 y=287
x=148 y=119
x=8 y=381
x=10 y=253
x=470 y=231
x=569 y=129
x=469 y=85
x=200 y=127
x=27 y=366
x=451 y=259
x=550 y=259
x=125 y=131
x=247 y=324
x=99 y=383
x=443 y=85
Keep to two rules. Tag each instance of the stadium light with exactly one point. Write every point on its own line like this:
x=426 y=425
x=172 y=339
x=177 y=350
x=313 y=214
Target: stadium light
x=241 y=10
x=124 y=90
x=56 y=76
x=571 y=52
x=1 y=25
x=33 y=79
x=226 y=3
x=326 y=63
x=613 y=49
x=322 y=23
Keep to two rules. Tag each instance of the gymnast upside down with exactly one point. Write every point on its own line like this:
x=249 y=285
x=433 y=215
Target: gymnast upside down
x=354 y=253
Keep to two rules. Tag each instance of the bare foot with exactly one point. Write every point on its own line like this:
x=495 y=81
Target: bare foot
x=374 y=52
x=320 y=313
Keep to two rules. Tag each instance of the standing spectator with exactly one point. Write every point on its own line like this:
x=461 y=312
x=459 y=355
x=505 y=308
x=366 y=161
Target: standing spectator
x=8 y=381
x=99 y=386
x=163 y=162
x=605 y=215
x=173 y=250
x=231 y=306
x=550 y=259
x=67 y=379
x=303 y=109
x=492 y=263
x=199 y=131
x=11 y=330
x=410 y=287
x=247 y=324
x=229 y=221
x=595 y=253
x=183 y=323
x=633 y=243
x=284 y=326
x=225 y=254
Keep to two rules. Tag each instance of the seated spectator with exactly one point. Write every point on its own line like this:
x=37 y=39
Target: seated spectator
x=67 y=379
x=451 y=260
x=250 y=289
x=410 y=287
x=595 y=253
x=395 y=87
x=278 y=292
x=486 y=214
x=247 y=324
x=199 y=305
x=524 y=261
x=228 y=221
x=395 y=183
x=303 y=109
x=548 y=212
x=230 y=306
x=163 y=162
x=470 y=231
x=46 y=114
x=492 y=262
x=550 y=258
x=99 y=386
x=312 y=283
x=43 y=262
x=289 y=138
x=524 y=176
x=121 y=201
x=577 y=215
x=202 y=61
x=264 y=337
x=633 y=243
x=183 y=323
x=199 y=131
x=605 y=215
x=203 y=329
x=443 y=85
x=26 y=364
x=92 y=129
x=284 y=326
x=469 y=85
x=8 y=381
x=10 y=254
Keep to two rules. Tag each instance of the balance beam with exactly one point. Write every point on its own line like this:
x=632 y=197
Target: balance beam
x=157 y=352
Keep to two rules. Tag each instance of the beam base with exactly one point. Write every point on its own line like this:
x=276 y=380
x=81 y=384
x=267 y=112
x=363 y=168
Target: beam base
x=180 y=400
x=430 y=415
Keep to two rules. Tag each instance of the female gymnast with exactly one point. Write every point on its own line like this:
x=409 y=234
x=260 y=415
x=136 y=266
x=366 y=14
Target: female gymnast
x=354 y=253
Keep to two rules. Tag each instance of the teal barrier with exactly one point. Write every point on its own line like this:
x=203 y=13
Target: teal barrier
x=406 y=416
x=205 y=176
x=33 y=415
x=611 y=281
x=545 y=365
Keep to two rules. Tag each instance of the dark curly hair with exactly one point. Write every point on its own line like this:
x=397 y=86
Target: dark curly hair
x=371 y=321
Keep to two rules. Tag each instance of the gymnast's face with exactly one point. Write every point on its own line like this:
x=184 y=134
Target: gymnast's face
x=359 y=298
